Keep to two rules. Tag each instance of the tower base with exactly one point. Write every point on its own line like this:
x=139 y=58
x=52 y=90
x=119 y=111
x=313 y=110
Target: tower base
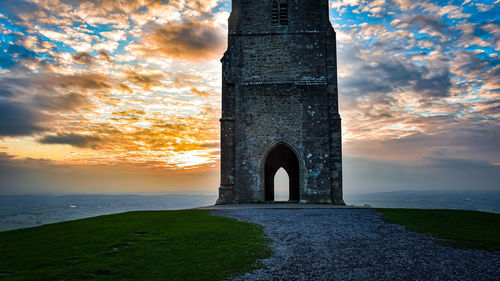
x=226 y=195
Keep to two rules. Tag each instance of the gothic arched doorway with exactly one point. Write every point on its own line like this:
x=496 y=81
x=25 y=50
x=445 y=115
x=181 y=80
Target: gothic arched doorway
x=281 y=156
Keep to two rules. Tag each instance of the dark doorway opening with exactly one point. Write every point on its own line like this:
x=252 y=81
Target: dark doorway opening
x=281 y=156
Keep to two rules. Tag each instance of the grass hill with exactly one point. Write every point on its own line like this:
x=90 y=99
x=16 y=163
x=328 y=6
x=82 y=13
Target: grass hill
x=149 y=245
x=188 y=244
x=468 y=229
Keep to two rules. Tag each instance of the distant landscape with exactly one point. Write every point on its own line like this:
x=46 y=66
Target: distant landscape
x=20 y=211
x=475 y=200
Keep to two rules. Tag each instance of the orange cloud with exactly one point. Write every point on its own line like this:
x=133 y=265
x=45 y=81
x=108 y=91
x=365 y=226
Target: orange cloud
x=191 y=40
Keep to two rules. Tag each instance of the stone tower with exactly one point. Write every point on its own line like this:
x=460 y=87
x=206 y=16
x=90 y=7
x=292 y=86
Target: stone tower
x=280 y=103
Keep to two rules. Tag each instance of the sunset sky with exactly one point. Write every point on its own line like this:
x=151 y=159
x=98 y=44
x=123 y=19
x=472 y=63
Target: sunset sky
x=124 y=96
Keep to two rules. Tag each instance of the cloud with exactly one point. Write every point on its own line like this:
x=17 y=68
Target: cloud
x=190 y=40
x=61 y=103
x=467 y=64
x=455 y=138
x=494 y=30
x=484 y=7
x=390 y=75
x=470 y=35
x=105 y=55
x=82 y=141
x=34 y=176
x=83 y=57
x=26 y=83
x=17 y=119
x=492 y=79
x=405 y=5
x=421 y=21
x=435 y=173
x=134 y=114
x=86 y=80
x=17 y=10
x=369 y=30
x=436 y=85
x=201 y=93
x=211 y=145
x=115 y=35
x=145 y=74
x=145 y=80
x=453 y=12
x=4 y=93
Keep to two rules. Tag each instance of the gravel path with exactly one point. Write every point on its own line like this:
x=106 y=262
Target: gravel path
x=347 y=244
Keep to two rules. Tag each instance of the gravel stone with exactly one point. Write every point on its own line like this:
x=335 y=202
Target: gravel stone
x=355 y=244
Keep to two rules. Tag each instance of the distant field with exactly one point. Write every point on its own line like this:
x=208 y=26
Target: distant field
x=149 y=245
x=463 y=228
x=473 y=200
x=21 y=211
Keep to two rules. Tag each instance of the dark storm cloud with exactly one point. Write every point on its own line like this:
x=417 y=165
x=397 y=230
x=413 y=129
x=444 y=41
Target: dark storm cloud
x=192 y=40
x=76 y=140
x=17 y=119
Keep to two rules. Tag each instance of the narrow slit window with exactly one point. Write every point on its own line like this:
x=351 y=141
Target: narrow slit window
x=279 y=13
x=284 y=14
x=275 y=13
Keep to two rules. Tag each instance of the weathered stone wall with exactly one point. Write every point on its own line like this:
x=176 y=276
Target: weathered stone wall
x=280 y=85
x=254 y=17
x=282 y=57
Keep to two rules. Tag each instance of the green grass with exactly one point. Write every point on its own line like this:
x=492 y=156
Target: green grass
x=150 y=245
x=467 y=229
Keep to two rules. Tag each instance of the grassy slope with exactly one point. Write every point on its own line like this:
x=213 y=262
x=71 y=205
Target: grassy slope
x=161 y=245
x=466 y=228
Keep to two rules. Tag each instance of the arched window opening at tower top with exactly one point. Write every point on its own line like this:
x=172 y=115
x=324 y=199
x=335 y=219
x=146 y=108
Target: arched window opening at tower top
x=281 y=185
x=279 y=12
